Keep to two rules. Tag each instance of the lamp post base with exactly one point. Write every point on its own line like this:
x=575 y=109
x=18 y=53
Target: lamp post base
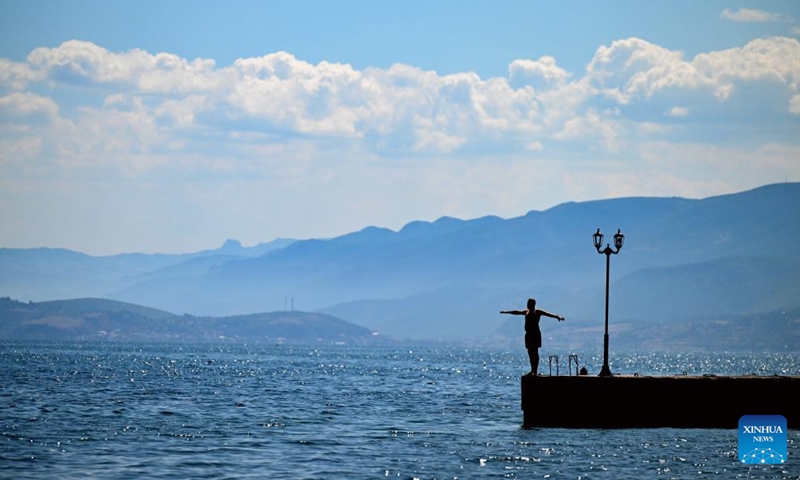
x=605 y=371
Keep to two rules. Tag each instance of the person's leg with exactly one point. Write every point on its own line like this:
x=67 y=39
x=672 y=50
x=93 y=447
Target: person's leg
x=533 y=356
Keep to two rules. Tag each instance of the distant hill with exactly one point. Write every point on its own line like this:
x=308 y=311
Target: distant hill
x=99 y=319
x=684 y=260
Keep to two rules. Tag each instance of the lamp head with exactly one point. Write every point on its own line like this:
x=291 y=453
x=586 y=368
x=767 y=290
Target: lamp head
x=619 y=239
x=597 y=238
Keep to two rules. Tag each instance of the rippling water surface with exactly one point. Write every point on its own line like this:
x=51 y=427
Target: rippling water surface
x=72 y=410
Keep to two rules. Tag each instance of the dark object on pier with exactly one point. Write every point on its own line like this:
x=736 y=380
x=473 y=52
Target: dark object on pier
x=624 y=401
x=597 y=240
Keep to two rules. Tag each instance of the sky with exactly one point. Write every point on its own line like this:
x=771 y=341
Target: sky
x=169 y=127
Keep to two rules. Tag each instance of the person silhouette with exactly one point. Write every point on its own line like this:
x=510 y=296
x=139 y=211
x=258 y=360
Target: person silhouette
x=533 y=336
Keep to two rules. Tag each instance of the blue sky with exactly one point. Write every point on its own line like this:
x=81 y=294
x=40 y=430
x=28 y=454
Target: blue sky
x=170 y=126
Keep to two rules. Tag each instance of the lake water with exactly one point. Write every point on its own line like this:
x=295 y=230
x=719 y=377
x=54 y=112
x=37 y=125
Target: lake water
x=71 y=410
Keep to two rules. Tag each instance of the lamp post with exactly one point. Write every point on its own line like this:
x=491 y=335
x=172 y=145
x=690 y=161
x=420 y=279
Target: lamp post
x=619 y=239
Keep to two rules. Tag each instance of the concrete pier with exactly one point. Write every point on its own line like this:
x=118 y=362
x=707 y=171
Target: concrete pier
x=625 y=401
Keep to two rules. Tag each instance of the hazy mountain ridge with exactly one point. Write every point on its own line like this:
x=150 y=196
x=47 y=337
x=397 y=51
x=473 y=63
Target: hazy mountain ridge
x=683 y=258
x=46 y=273
x=101 y=319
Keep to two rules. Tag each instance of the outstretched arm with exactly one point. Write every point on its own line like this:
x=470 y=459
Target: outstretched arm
x=551 y=315
x=515 y=312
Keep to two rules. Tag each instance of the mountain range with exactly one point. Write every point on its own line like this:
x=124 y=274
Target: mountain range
x=684 y=261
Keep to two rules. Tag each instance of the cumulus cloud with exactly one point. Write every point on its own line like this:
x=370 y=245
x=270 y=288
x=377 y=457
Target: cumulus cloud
x=636 y=70
x=290 y=93
x=19 y=105
x=79 y=62
x=629 y=66
x=162 y=102
x=403 y=105
x=752 y=15
x=17 y=75
x=540 y=74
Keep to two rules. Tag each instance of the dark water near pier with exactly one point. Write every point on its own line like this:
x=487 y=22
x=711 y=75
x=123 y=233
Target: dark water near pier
x=71 y=410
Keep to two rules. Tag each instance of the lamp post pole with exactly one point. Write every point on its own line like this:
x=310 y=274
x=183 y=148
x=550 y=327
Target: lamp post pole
x=619 y=239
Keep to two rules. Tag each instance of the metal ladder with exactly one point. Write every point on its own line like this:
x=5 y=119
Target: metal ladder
x=573 y=359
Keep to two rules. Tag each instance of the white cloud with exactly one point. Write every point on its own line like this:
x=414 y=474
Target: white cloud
x=794 y=106
x=540 y=74
x=320 y=99
x=18 y=152
x=79 y=62
x=634 y=70
x=398 y=109
x=752 y=15
x=183 y=112
x=160 y=109
x=677 y=112
x=433 y=140
x=19 y=105
x=407 y=106
x=123 y=138
x=603 y=130
x=776 y=59
x=625 y=66
x=403 y=108
x=16 y=75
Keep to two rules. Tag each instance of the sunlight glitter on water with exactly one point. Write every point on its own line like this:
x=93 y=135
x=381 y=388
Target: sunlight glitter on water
x=210 y=411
